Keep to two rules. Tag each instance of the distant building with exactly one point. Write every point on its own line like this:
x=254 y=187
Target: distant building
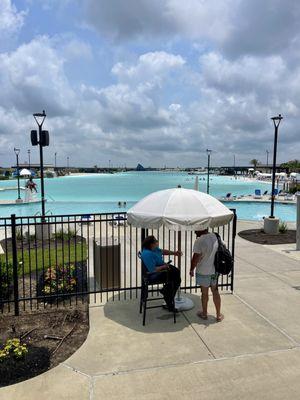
x=140 y=167
x=34 y=167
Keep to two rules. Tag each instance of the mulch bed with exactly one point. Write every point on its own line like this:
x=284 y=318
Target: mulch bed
x=34 y=243
x=70 y=323
x=258 y=236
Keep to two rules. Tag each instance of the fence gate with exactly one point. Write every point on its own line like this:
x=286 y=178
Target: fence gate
x=66 y=259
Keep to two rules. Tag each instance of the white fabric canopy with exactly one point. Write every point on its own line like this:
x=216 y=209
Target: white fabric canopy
x=179 y=209
x=25 y=172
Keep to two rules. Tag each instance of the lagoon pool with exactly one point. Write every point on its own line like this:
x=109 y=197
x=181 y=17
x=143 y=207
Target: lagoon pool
x=97 y=193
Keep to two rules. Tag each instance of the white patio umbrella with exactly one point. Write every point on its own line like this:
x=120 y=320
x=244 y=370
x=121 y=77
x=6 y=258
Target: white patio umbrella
x=180 y=210
x=25 y=172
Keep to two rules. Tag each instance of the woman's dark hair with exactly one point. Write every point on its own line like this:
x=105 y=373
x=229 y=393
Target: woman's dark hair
x=148 y=241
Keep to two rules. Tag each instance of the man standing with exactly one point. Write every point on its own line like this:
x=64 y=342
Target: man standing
x=204 y=251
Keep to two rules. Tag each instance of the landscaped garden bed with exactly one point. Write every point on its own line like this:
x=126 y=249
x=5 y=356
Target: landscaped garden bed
x=49 y=271
x=60 y=282
x=260 y=237
x=36 y=254
x=34 y=342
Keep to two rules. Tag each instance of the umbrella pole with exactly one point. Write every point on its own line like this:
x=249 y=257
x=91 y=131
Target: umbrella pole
x=182 y=303
x=178 y=298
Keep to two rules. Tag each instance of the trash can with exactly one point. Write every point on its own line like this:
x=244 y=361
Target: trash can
x=107 y=263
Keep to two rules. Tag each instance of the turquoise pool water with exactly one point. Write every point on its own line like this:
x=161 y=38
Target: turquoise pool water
x=101 y=193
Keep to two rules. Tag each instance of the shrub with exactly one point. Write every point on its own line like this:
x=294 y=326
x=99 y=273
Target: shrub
x=282 y=227
x=294 y=189
x=6 y=279
x=60 y=279
x=13 y=348
x=70 y=234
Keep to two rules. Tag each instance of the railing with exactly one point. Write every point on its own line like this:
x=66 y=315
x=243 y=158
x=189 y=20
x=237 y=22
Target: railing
x=65 y=259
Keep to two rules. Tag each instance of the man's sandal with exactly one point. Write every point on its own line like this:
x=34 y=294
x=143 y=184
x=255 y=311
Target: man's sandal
x=201 y=315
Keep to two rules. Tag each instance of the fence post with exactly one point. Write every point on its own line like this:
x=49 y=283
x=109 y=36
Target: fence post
x=15 y=263
x=233 y=246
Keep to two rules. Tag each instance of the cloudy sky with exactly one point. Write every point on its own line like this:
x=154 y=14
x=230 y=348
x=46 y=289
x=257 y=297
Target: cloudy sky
x=150 y=81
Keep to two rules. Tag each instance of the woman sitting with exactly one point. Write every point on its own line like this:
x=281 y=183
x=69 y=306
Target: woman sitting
x=159 y=271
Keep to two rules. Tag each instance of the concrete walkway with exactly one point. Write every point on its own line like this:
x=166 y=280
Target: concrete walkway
x=253 y=354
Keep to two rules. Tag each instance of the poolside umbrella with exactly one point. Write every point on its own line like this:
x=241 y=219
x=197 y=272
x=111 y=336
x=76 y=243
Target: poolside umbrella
x=25 y=172
x=180 y=210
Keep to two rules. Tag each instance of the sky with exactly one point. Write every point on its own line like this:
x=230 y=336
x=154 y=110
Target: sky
x=155 y=82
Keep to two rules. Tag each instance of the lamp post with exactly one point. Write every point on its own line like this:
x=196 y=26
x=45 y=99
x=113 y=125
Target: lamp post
x=28 y=152
x=276 y=122
x=55 y=155
x=208 y=168
x=234 y=165
x=68 y=163
x=17 y=152
x=42 y=139
x=267 y=152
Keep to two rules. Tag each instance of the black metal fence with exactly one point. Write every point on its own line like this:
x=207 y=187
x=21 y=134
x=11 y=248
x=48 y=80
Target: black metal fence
x=88 y=258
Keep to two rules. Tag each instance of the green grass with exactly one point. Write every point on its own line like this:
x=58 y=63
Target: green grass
x=36 y=258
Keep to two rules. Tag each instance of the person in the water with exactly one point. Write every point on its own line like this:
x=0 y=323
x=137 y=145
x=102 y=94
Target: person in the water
x=31 y=185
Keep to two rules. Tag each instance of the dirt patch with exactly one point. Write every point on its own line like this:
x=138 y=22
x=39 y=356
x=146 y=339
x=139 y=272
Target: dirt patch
x=258 y=236
x=42 y=331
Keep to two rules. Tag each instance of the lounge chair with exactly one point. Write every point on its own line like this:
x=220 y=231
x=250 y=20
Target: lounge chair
x=119 y=220
x=86 y=219
x=289 y=197
x=257 y=194
x=275 y=192
x=228 y=197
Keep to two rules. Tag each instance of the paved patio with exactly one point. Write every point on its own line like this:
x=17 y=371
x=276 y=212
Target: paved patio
x=253 y=354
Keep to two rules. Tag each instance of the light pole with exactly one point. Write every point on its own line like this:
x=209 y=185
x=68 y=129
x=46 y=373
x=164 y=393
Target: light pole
x=17 y=152
x=68 y=164
x=276 y=122
x=28 y=151
x=208 y=167
x=267 y=152
x=234 y=165
x=42 y=139
x=55 y=155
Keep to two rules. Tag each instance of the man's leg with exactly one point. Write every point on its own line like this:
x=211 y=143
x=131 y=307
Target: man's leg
x=204 y=302
x=217 y=302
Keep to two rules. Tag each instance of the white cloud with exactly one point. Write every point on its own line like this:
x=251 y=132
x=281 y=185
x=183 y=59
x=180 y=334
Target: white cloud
x=32 y=77
x=159 y=106
x=11 y=20
x=151 y=68
x=75 y=48
x=134 y=19
x=235 y=27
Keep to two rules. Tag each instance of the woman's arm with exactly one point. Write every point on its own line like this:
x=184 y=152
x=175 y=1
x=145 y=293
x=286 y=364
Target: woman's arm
x=171 y=253
x=161 y=268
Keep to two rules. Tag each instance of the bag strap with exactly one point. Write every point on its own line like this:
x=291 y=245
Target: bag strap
x=219 y=243
x=218 y=237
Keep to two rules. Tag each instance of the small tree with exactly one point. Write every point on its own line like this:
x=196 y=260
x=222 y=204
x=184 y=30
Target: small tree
x=254 y=162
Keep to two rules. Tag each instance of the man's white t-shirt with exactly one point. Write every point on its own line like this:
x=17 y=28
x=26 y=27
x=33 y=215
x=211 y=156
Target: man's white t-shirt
x=207 y=246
